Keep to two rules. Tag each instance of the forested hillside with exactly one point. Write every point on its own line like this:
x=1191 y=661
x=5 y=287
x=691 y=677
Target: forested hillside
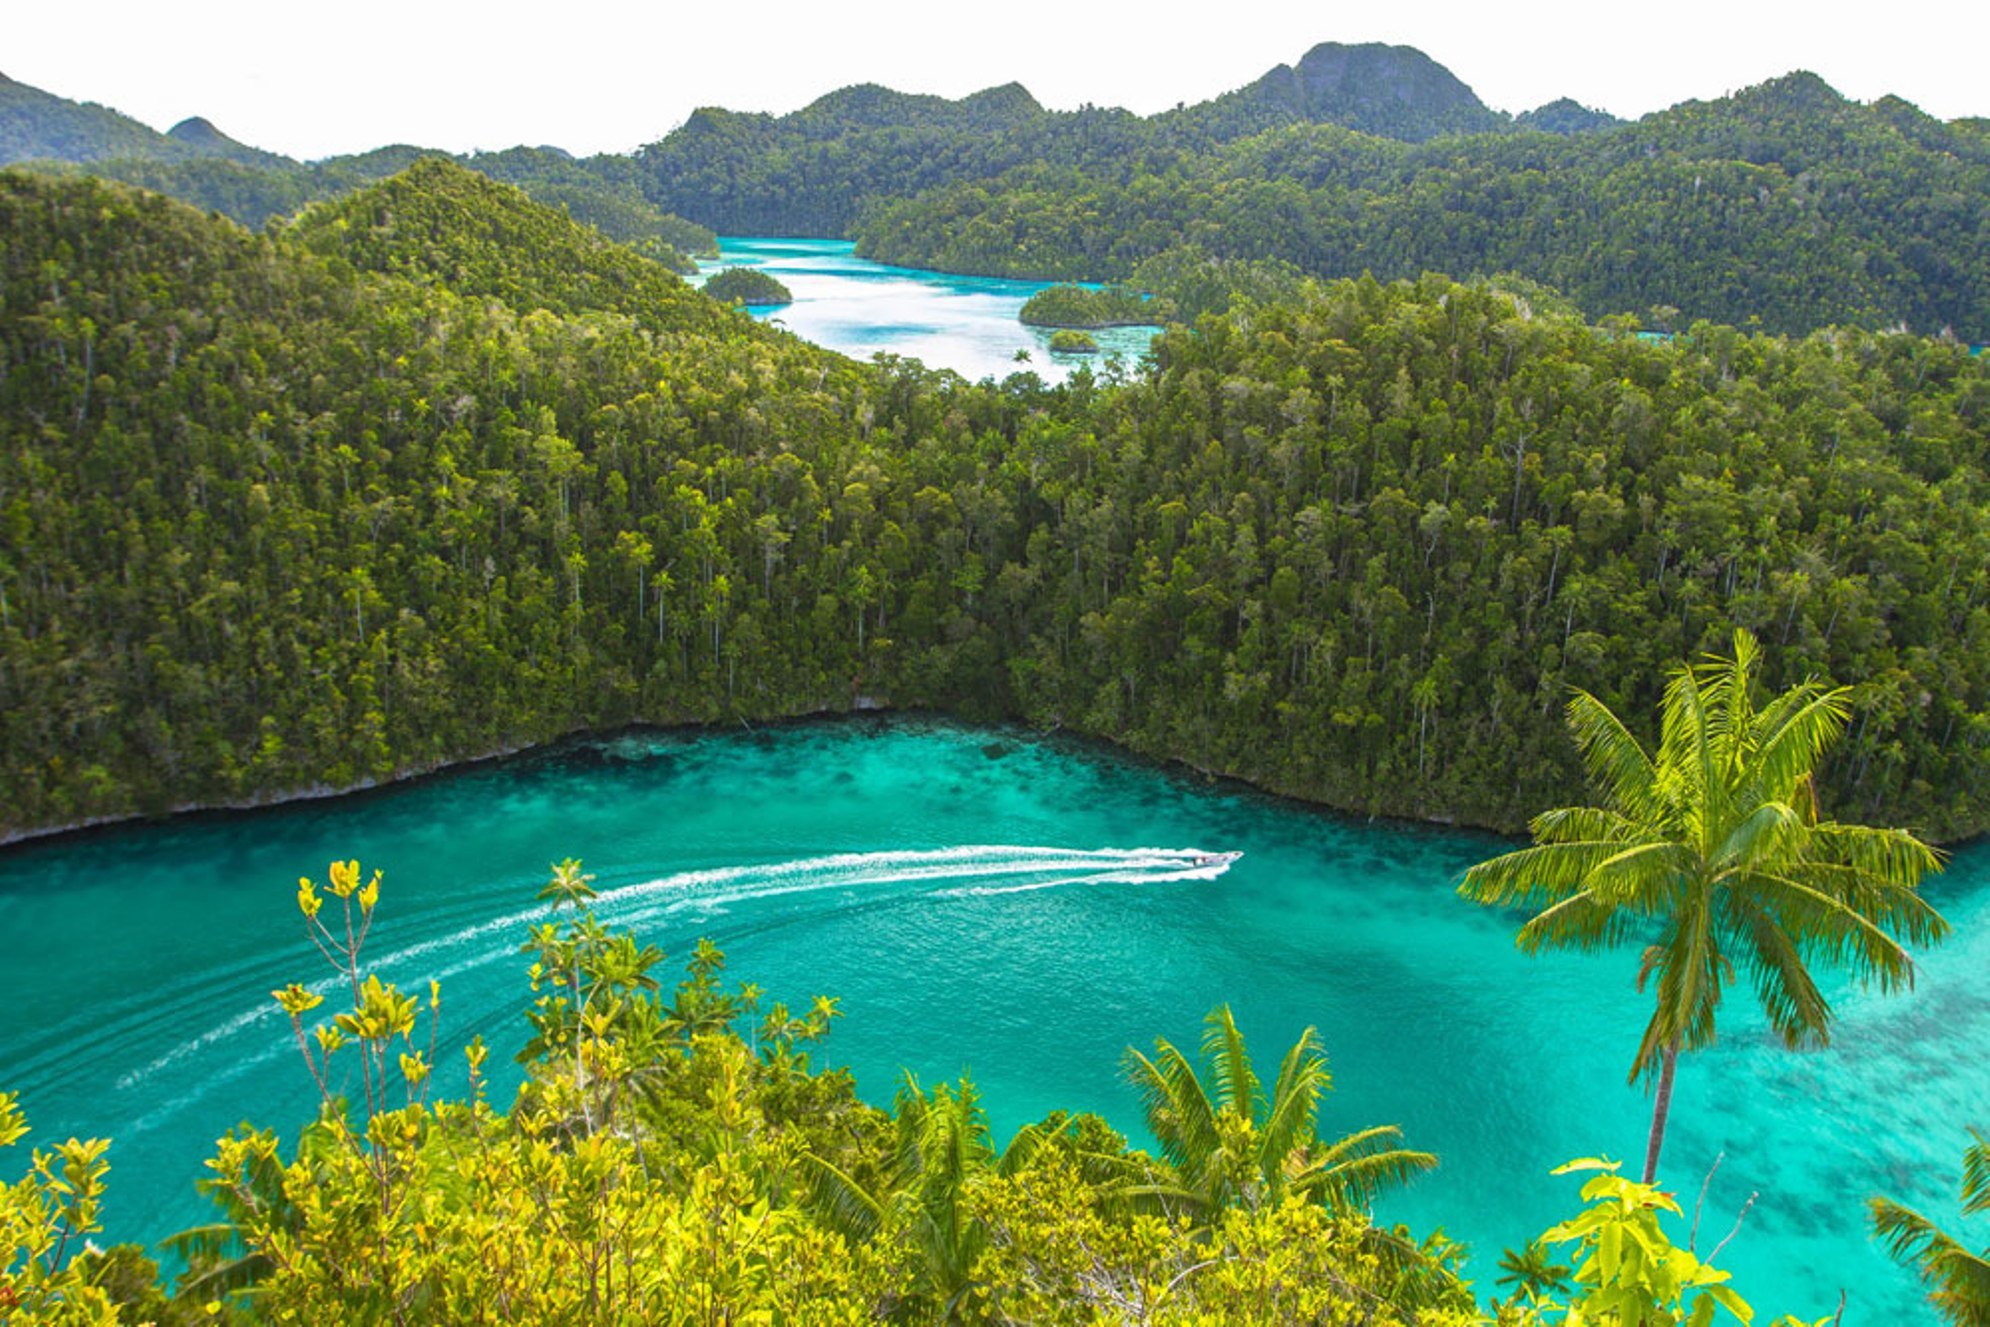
x=437 y=472
x=34 y=123
x=198 y=164
x=600 y=193
x=1784 y=206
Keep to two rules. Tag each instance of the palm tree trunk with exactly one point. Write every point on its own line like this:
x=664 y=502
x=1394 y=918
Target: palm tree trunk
x=1660 y=1110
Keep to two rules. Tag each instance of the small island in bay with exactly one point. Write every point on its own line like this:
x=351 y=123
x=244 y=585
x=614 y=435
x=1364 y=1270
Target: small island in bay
x=747 y=285
x=1084 y=306
x=1067 y=341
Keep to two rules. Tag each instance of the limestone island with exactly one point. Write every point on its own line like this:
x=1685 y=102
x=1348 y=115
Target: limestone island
x=1068 y=341
x=747 y=285
x=1082 y=306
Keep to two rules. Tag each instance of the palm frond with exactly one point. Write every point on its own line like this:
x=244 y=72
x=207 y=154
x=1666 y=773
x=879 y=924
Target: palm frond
x=1358 y=1166
x=1580 y=922
x=839 y=1201
x=1302 y=1080
x=1796 y=1007
x=228 y=1277
x=1731 y=715
x=1790 y=749
x=1641 y=877
x=1620 y=766
x=1024 y=1148
x=1223 y=1047
x=1691 y=764
x=956 y=1144
x=1178 y=1111
x=1772 y=832
x=1976 y=1175
x=1892 y=857
x=1691 y=972
x=1583 y=824
x=1770 y=718
x=1898 y=911
x=1168 y=1199
x=1958 y=1280
x=1660 y=1033
x=217 y=1260
x=1418 y=1281
x=1824 y=923
x=1529 y=877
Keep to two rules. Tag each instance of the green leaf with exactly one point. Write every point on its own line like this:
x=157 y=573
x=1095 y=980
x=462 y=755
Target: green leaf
x=1730 y=1301
x=1610 y=1250
x=1585 y=1163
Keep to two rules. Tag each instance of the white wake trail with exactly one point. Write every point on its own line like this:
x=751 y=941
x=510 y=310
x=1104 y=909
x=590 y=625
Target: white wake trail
x=998 y=869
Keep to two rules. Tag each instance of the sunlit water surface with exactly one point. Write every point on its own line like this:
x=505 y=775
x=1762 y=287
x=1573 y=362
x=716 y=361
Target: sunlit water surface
x=983 y=902
x=861 y=308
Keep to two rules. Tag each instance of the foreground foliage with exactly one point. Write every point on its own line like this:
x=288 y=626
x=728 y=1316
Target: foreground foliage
x=44 y=1218
x=687 y=1173
x=1627 y=1269
x=682 y=1159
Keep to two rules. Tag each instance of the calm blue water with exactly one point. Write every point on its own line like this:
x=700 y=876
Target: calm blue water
x=964 y=323
x=983 y=901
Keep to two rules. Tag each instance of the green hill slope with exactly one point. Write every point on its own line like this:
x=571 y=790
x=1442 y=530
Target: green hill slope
x=1785 y=204
x=438 y=221
x=197 y=163
x=37 y=124
x=438 y=471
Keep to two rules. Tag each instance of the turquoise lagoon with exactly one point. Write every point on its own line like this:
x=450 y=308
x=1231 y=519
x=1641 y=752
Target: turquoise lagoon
x=861 y=308
x=988 y=902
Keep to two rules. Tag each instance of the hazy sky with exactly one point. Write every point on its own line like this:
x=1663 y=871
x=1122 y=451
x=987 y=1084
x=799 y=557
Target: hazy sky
x=595 y=75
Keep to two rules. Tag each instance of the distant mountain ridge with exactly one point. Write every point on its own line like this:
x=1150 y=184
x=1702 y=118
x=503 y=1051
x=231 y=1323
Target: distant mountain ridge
x=1388 y=91
x=1783 y=205
x=37 y=124
x=751 y=173
x=196 y=162
x=871 y=106
x=1784 y=201
x=1565 y=116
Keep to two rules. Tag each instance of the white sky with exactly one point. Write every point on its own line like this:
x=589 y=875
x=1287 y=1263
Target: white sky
x=602 y=75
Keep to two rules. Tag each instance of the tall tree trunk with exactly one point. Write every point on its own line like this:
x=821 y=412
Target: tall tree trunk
x=1660 y=1110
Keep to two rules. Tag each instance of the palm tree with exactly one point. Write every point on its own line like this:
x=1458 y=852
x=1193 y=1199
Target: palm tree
x=1713 y=848
x=940 y=1144
x=1532 y=1272
x=1230 y=1144
x=1958 y=1280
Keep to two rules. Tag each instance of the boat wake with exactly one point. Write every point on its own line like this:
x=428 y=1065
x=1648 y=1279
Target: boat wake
x=1006 y=869
x=976 y=871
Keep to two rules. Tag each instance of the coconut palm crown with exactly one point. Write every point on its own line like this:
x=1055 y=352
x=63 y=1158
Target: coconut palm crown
x=1711 y=849
x=1230 y=1142
x=1958 y=1281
